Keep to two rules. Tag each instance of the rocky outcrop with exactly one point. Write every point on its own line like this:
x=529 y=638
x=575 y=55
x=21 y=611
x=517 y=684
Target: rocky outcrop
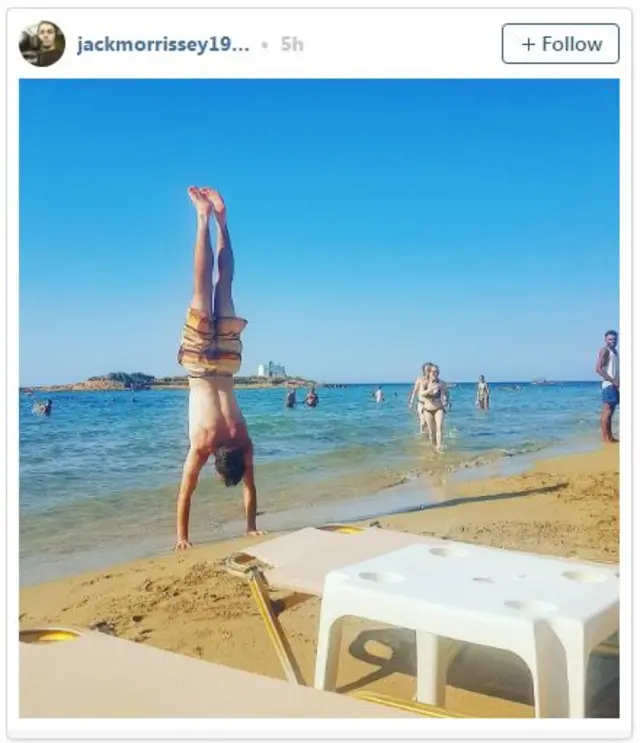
x=99 y=384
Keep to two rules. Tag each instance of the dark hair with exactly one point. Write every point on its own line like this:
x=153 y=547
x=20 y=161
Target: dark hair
x=230 y=465
x=611 y=332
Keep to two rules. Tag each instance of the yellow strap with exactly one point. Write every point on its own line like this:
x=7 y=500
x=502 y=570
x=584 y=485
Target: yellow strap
x=342 y=528
x=425 y=710
x=260 y=592
x=48 y=635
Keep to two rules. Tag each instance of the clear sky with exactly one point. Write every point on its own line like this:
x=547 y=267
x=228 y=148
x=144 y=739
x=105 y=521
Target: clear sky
x=376 y=224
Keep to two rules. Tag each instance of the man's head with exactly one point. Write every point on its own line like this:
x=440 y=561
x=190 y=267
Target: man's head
x=230 y=465
x=47 y=34
x=425 y=368
x=611 y=339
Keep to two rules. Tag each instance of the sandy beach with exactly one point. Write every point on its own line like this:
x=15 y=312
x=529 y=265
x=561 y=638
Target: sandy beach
x=188 y=604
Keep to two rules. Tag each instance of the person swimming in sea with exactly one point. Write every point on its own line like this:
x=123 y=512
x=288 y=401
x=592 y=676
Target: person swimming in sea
x=311 y=400
x=43 y=408
x=290 y=399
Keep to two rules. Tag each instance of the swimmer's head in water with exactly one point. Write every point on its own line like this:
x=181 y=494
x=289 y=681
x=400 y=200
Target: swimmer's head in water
x=230 y=465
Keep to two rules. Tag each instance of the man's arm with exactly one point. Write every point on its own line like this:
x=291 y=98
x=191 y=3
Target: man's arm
x=601 y=364
x=195 y=461
x=249 y=493
x=414 y=392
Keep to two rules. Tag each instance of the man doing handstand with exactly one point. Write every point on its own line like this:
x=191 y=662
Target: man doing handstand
x=211 y=353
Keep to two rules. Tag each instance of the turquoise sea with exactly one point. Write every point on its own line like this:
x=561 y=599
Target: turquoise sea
x=98 y=479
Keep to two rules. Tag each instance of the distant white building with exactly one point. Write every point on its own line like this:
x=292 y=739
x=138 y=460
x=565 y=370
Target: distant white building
x=270 y=369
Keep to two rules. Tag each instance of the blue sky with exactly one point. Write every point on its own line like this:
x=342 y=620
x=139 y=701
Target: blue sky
x=376 y=224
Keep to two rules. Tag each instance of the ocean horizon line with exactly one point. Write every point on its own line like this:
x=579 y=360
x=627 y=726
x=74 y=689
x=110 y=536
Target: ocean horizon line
x=540 y=381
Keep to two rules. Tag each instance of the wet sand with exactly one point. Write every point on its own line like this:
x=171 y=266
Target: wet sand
x=188 y=604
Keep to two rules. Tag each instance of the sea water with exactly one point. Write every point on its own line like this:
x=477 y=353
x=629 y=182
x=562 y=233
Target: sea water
x=98 y=479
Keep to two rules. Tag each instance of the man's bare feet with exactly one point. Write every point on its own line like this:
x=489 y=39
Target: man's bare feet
x=182 y=545
x=219 y=207
x=203 y=206
x=254 y=533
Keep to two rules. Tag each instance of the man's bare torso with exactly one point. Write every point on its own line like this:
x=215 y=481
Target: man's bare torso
x=215 y=418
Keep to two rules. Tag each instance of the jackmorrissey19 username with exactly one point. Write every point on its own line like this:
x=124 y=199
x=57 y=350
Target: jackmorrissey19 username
x=165 y=44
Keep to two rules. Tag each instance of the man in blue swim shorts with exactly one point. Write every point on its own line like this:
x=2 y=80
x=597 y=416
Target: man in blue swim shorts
x=608 y=367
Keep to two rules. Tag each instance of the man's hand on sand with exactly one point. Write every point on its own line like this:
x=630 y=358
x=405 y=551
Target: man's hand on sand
x=182 y=545
x=217 y=202
x=203 y=205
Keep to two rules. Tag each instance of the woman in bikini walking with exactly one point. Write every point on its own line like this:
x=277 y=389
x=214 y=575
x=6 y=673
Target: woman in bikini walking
x=432 y=403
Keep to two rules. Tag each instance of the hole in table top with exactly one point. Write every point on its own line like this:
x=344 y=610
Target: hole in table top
x=382 y=577
x=483 y=579
x=586 y=576
x=534 y=607
x=448 y=552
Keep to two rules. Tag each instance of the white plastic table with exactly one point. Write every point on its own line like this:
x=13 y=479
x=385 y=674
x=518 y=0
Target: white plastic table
x=550 y=612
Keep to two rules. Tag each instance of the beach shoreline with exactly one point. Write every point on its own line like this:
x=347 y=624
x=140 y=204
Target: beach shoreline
x=420 y=491
x=188 y=603
x=424 y=494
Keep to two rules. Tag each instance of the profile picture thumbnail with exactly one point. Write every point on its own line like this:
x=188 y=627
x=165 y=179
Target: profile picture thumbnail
x=42 y=44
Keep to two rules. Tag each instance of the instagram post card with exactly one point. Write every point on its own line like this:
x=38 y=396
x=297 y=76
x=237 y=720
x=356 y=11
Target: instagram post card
x=318 y=372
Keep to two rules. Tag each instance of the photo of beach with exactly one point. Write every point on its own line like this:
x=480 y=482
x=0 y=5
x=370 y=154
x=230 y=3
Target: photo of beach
x=428 y=273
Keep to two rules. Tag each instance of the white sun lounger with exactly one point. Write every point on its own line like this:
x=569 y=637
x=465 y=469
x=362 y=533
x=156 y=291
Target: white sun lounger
x=300 y=561
x=70 y=674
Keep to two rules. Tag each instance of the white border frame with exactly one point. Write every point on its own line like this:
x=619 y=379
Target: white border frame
x=288 y=729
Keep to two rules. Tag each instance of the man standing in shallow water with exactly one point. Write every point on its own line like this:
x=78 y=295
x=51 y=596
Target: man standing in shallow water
x=608 y=367
x=211 y=353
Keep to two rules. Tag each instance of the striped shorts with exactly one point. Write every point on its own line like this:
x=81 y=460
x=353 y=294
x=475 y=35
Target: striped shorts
x=211 y=346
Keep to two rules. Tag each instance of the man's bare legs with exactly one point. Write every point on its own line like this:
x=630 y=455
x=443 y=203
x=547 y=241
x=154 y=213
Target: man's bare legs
x=201 y=301
x=606 y=420
x=203 y=255
x=223 y=296
x=422 y=420
x=223 y=307
x=438 y=417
